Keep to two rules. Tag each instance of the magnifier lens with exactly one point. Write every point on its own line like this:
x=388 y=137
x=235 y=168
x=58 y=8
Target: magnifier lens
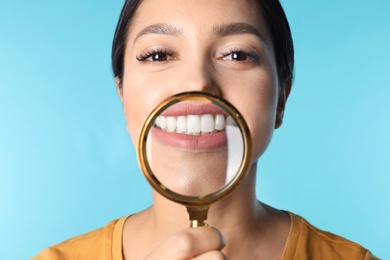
x=194 y=149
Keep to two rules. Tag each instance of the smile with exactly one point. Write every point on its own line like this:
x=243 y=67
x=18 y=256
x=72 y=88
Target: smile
x=194 y=124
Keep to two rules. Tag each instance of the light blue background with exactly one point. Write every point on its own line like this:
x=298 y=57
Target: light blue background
x=67 y=165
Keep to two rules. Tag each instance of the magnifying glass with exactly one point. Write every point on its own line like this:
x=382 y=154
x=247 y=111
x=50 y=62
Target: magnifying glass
x=194 y=149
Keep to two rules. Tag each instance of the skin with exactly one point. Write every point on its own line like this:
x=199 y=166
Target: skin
x=194 y=50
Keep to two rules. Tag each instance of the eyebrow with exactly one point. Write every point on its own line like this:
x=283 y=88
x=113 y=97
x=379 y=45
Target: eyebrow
x=239 y=28
x=160 y=28
x=223 y=30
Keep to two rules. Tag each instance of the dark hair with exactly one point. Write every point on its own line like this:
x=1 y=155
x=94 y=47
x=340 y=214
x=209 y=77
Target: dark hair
x=273 y=14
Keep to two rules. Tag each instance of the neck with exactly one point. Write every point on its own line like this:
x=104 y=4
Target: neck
x=239 y=217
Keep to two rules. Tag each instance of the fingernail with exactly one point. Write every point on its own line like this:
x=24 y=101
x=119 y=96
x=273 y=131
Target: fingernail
x=223 y=241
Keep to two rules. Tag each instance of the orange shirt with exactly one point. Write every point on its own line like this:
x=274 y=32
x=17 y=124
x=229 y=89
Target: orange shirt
x=308 y=242
x=304 y=242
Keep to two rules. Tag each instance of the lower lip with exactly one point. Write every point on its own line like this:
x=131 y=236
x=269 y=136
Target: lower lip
x=207 y=142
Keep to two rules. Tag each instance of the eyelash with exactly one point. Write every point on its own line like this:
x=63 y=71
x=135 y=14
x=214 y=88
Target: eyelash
x=252 y=55
x=149 y=54
x=166 y=53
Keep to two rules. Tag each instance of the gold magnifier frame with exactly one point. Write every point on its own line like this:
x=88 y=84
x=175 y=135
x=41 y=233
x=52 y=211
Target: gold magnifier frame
x=197 y=206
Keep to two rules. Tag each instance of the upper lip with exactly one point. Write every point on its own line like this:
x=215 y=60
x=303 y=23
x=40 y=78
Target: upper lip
x=192 y=108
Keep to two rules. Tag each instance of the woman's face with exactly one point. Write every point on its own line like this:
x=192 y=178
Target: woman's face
x=219 y=46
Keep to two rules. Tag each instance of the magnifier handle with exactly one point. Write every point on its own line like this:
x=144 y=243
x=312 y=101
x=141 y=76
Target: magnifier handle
x=198 y=216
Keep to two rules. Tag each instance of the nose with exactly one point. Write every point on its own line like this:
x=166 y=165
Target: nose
x=198 y=77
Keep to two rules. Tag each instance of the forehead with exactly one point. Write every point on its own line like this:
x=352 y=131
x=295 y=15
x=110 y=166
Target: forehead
x=198 y=17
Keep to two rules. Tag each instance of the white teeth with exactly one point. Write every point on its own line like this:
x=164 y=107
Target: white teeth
x=194 y=124
x=171 y=124
x=157 y=121
x=230 y=121
x=181 y=124
x=207 y=124
x=163 y=123
x=220 y=122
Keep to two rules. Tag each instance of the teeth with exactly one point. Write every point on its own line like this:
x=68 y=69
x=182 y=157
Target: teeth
x=220 y=122
x=171 y=124
x=163 y=123
x=194 y=124
x=207 y=124
x=230 y=121
x=181 y=126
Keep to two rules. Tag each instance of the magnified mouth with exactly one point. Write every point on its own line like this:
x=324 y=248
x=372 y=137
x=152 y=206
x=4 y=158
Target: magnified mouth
x=189 y=126
x=194 y=124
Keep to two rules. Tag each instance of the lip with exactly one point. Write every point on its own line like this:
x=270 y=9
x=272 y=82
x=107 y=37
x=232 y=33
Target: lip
x=207 y=142
x=192 y=108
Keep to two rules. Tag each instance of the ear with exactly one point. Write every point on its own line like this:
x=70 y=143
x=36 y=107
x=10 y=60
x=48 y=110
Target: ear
x=119 y=87
x=283 y=95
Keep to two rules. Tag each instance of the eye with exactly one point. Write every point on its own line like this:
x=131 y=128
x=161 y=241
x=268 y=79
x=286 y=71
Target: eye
x=155 y=56
x=238 y=56
x=241 y=56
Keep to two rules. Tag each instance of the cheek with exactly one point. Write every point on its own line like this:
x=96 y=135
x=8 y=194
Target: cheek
x=140 y=96
x=261 y=132
x=137 y=106
x=258 y=108
x=262 y=123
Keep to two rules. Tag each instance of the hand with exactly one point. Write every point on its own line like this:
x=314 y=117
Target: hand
x=193 y=243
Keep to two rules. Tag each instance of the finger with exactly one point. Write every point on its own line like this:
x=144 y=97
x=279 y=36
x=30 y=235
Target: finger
x=189 y=243
x=211 y=255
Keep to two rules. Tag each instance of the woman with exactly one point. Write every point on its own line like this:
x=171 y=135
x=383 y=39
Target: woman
x=241 y=50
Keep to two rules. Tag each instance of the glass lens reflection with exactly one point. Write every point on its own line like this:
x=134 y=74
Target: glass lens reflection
x=194 y=148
